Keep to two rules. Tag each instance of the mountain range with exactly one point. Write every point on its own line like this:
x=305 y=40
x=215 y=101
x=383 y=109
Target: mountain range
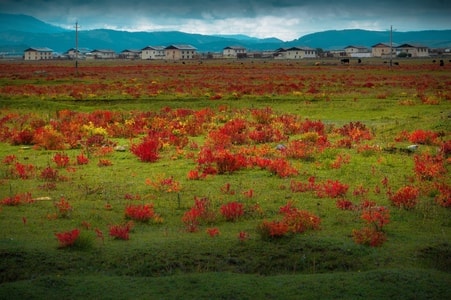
x=18 y=32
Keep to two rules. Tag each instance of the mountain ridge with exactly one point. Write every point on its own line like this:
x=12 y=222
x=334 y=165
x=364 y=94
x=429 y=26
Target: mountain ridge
x=21 y=31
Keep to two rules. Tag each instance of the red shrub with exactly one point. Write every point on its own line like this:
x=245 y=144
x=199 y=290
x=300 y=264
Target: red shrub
x=22 y=171
x=428 y=167
x=213 y=232
x=299 y=150
x=356 y=131
x=298 y=220
x=104 y=163
x=49 y=139
x=232 y=211
x=243 y=236
x=282 y=168
x=61 y=160
x=313 y=126
x=23 y=137
x=300 y=187
x=168 y=184
x=344 y=204
x=378 y=216
x=191 y=219
x=63 y=207
x=445 y=148
x=142 y=213
x=227 y=162
x=9 y=159
x=443 y=198
x=360 y=191
x=17 y=199
x=369 y=236
x=220 y=161
x=425 y=137
x=331 y=189
x=266 y=134
x=237 y=130
x=294 y=221
x=121 y=231
x=340 y=160
x=49 y=174
x=200 y=212
x=147 y=151
x=405 y=197
x=194 y=175
x=263 y=116
x=68 y=238
x=82 y=159
x=249 y=193
x=273 y=229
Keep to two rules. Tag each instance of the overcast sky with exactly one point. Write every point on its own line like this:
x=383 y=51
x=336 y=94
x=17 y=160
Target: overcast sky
x=284 y=19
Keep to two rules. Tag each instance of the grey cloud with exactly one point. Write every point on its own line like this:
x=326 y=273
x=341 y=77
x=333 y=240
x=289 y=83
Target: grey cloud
x=296 y=16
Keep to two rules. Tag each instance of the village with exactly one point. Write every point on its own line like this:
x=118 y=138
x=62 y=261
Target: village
x=189 y=52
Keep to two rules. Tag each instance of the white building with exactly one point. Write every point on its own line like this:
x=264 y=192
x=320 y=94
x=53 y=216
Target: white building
x=101 y=54
x=130 y=54
x=176 y=52
x=38 y=54
x=152 y=52
x=295 y=53
x=413 y=50
x=234 y=52
x=357 y=51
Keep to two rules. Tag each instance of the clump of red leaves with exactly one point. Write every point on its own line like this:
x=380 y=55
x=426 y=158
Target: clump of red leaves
x=61 y=160
x=198 y=213
x=232 y=211
x=405 y=197
x=147 y=150
x=425 y=137
x=121 y=231
x=104 y=162
x=82 y=159
x=67 y=238
x=17 y=199
x=294 y=221
x=331 y=189
x=213 y=232
x=49 y=174
x=167 y=184
x=63 y=208
x=141 y=213
x=428 y=167
x=369 y=236
x=355 y=132
x=375 y=217
x=443 y=198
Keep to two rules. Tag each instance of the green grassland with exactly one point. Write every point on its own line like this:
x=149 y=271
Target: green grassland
x=163 y=261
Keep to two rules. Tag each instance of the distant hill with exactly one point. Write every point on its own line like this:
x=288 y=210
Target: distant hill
x=19 y=32
x=338 y=39
x=24 y=23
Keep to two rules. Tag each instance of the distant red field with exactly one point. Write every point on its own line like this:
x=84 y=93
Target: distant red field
x=217 y=79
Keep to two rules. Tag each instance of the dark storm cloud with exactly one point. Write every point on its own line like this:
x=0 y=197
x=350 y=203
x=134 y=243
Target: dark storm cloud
x=282 y=18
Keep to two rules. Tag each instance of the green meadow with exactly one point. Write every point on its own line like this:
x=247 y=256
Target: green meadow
x=162 y=258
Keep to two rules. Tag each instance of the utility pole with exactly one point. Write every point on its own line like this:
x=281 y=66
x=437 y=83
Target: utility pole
x=76 y=46
x=391 y=44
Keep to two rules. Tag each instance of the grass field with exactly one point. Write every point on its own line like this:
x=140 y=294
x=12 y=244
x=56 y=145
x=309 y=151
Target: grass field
x=264 y=180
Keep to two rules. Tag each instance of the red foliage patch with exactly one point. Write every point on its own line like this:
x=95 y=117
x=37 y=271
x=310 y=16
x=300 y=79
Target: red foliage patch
x=405 y=197
x=68 y=238
x=141 y=213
